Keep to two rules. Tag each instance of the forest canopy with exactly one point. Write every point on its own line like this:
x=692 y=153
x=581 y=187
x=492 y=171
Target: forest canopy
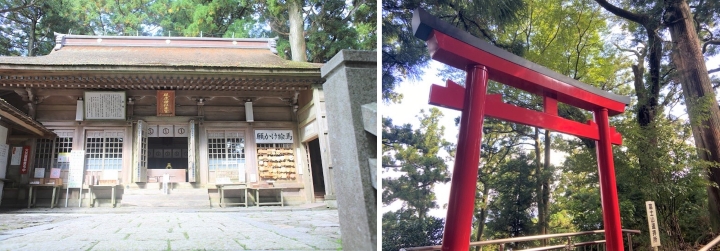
x=320 y=28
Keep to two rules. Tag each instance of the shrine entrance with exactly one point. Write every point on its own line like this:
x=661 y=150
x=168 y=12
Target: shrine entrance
x=316 y=169
x=169 y=155
x=483 y=62
x=164 y=149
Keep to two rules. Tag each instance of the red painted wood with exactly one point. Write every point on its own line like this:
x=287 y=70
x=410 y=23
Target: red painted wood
x=477 y=104
x=608 y=188
x=550 y=105
x=494 y=107
x=453 y=52
x=461 y=203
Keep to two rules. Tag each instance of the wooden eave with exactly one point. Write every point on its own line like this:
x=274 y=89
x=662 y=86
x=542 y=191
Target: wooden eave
x=157 y=77
x=19 y=120
x=126 y=63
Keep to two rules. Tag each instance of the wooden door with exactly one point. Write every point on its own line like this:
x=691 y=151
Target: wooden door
x=192 y=169
x=140 y=154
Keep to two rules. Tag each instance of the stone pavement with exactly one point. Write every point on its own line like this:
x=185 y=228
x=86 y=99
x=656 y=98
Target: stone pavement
x=274 y=228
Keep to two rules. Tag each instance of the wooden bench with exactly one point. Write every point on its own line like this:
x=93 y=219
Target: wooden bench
x=223 y=187
x=32 y=197
x=280 y=201
x=93 y=197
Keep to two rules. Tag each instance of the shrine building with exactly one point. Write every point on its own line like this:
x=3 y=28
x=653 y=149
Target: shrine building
x=202 y=114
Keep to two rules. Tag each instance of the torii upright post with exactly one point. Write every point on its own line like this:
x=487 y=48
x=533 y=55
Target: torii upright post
x=483 y=62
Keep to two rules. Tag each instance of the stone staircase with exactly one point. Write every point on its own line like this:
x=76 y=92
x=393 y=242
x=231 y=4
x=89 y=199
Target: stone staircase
x=180 y=195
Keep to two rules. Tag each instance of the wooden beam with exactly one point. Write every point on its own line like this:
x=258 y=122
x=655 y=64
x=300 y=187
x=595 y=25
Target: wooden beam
x=22 y=123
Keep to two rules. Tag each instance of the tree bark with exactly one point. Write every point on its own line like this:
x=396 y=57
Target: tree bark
x=31 y=36
x=699 y=96
x=482 y=216
x=297 y=30
x=545 y=195
x=538 y=179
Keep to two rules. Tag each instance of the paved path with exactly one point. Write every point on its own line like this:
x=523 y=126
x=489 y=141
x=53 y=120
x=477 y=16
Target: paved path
x=151 y=229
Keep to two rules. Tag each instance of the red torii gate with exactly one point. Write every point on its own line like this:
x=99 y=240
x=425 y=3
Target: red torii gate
x=483 y=61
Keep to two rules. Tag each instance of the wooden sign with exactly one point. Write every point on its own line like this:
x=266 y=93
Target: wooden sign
x=77 y=168
x=652 y=224
x=16 y=154
x=273 y=136
x=4 y=149
x=24 y=160
x=166 y=103
x=105 y=105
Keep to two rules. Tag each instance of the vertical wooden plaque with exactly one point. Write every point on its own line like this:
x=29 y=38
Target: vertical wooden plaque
x=166 y=103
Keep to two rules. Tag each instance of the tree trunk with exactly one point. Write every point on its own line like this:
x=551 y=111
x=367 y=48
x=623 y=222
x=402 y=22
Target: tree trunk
x=297 y=30
x=483 y=215
x=699 y=97
x=545 y=196
x=31 y=36
x=538 y=180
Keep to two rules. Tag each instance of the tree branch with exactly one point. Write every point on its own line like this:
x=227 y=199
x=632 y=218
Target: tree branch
x=26 y=5
x=640 y=19
x=637 y=53
x=713 y=42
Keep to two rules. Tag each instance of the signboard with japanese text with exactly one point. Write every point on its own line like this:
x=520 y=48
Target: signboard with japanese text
x=76 y=171
x=166 y=103
x=4 y=149
x=63 y=157
x=105 y=105
x=273 y=136
x=24 y=159
x=16 y=155
x=652 y=224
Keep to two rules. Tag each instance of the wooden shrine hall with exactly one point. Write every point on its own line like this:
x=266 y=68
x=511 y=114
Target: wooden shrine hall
x=211 y=117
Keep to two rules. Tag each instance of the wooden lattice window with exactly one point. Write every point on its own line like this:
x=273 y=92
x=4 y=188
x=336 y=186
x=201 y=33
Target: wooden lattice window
x=103 y=150
x=226 y=150
x=48 y=150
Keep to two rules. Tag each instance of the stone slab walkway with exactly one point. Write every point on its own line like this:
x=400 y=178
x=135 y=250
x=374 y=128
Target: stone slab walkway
x=167 y=229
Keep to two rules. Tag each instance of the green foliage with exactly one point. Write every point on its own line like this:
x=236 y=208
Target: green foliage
x=510 y=213
x=404 y=56
x=34 y=25
x=330 y=26
x=403 y=229
x=224 y=18
x=414 y=153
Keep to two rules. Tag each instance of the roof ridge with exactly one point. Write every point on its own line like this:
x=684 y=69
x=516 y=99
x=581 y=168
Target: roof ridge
x=62 y=40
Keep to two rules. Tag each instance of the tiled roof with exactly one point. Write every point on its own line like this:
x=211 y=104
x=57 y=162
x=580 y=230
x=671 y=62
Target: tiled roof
x=159 y=63
x=75 y=50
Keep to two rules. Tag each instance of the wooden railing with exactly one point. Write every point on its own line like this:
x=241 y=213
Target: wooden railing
x=712 y=244
x=567 y=245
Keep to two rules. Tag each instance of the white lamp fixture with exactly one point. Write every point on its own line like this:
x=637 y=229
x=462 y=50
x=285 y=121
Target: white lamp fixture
x=249 y=112
x=79 y=110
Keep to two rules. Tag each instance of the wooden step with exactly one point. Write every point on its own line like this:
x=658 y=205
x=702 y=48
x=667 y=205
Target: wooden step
x=180 y=195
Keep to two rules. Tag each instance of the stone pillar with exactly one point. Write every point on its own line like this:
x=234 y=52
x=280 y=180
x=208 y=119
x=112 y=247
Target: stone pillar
x=351 y=83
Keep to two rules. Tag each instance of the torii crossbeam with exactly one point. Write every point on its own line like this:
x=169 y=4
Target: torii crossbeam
x=483 y=61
